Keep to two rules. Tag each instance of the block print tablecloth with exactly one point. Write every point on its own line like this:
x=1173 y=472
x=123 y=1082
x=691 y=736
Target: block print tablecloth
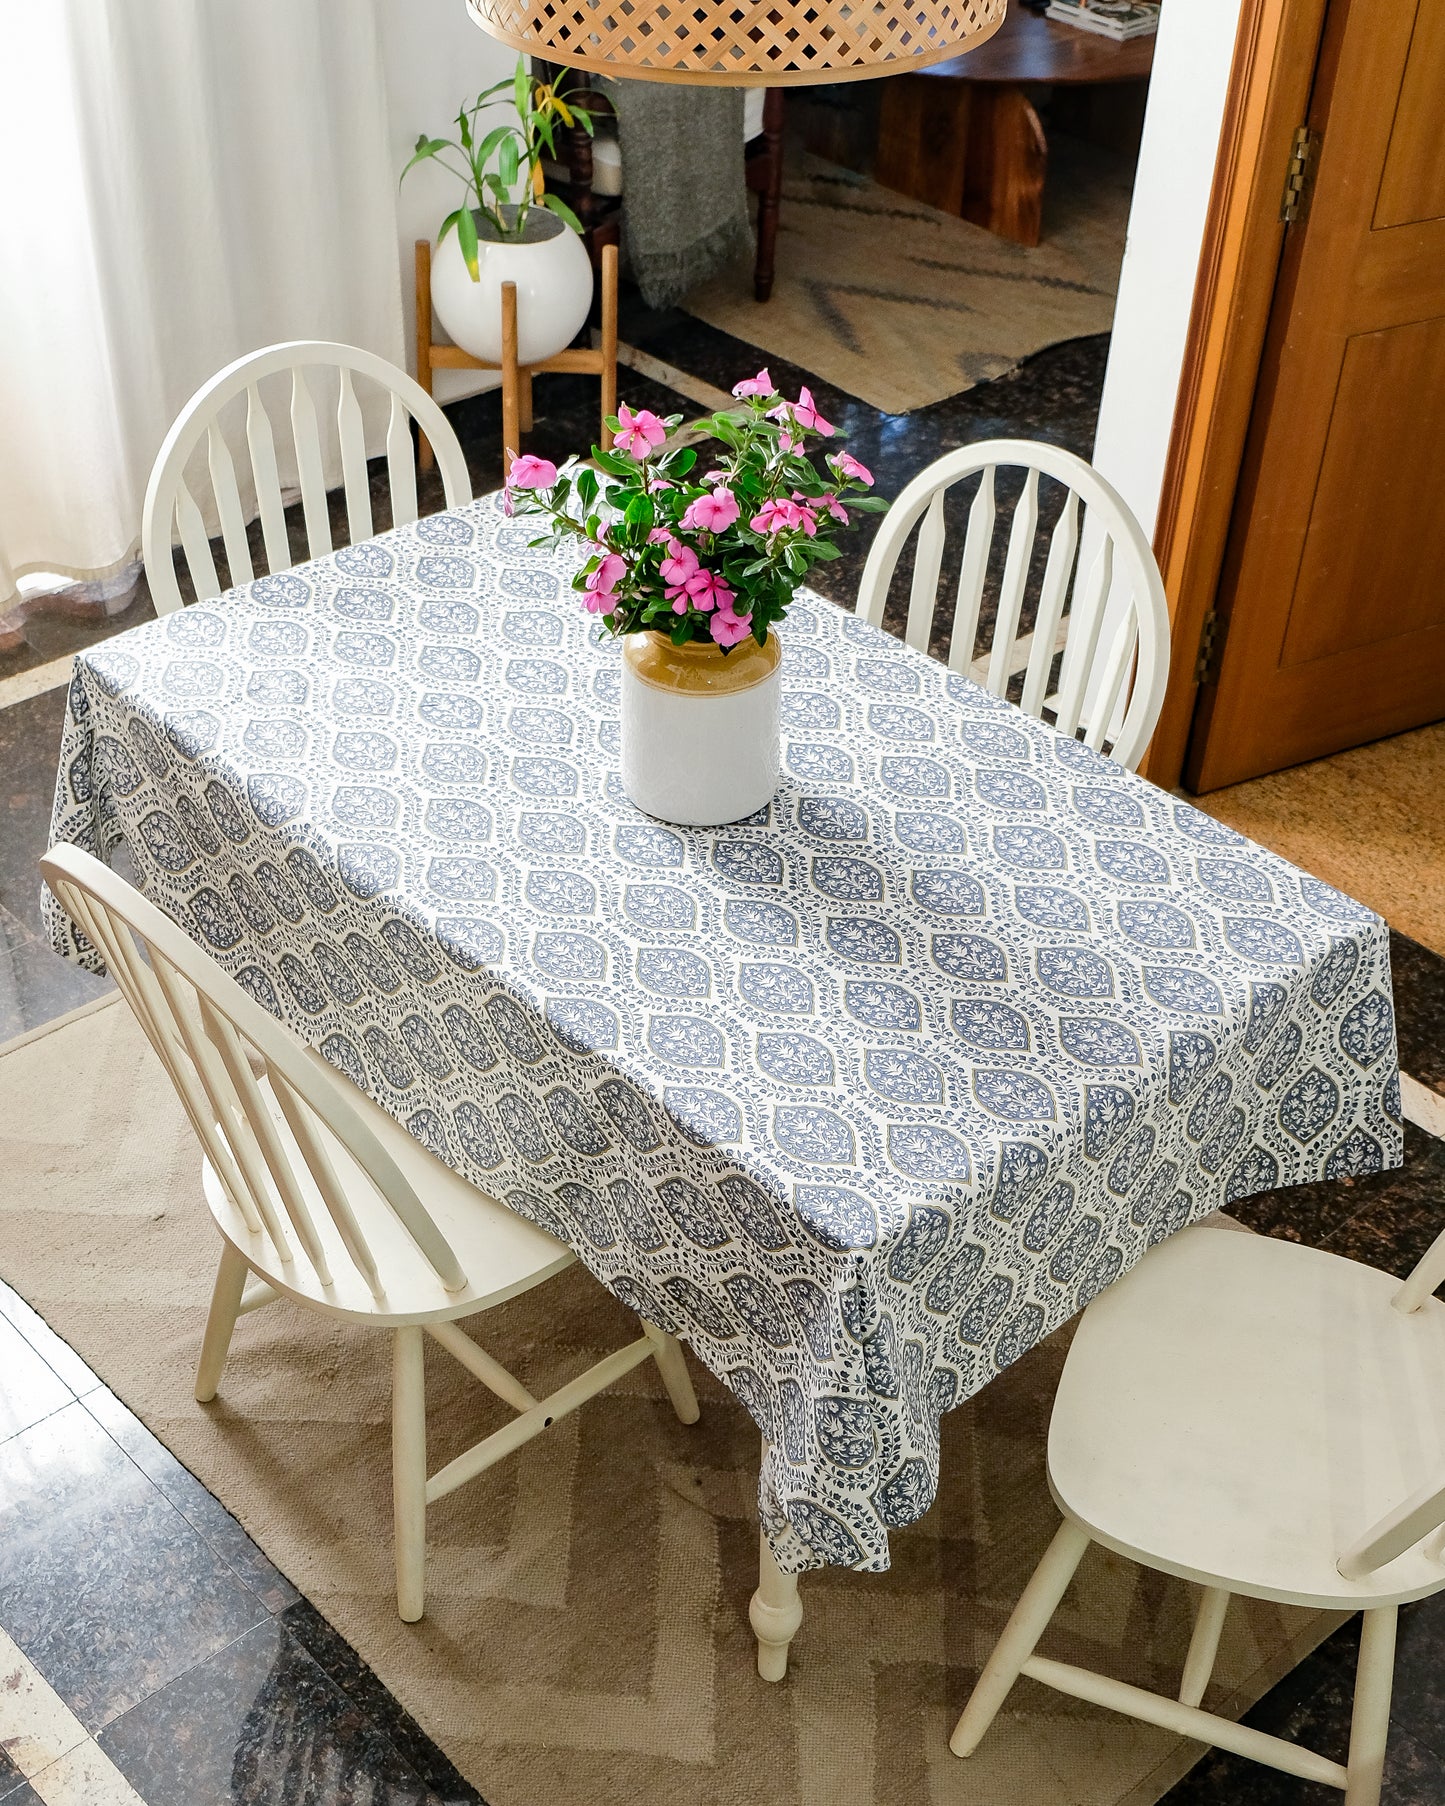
x=862 y=1097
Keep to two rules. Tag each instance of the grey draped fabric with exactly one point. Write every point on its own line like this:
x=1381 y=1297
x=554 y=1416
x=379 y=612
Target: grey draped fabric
x=684 y=202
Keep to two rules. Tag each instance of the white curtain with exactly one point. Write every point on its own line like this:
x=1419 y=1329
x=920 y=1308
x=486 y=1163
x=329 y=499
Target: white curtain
x=181 y=181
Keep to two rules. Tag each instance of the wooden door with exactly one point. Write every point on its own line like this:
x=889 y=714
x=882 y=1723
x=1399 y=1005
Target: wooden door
x=1332 y=599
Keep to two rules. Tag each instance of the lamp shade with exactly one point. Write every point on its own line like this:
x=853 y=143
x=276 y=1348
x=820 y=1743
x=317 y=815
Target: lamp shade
x=741 y=43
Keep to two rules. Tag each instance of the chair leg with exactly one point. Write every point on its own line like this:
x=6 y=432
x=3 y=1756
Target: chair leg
x=225 y=1308
x=408 y=1472
x=1030 y=1618
x=672 y=1365
x=1370 y=1721
x=1203 y=1645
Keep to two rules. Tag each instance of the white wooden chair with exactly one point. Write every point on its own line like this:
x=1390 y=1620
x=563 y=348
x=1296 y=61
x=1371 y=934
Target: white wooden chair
x=326 y=1200
x=1259 y=1418
x=170 y=503
x=1115 y=636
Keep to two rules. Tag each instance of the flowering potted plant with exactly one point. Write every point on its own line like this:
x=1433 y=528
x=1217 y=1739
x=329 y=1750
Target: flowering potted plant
x=695 y=571
x=508 y=228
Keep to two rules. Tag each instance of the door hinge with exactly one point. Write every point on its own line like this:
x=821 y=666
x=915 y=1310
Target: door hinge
x=1303 y=152
x=1204 y=664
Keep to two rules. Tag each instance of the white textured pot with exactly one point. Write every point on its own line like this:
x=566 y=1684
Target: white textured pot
x=699 y=730
x=554 y=287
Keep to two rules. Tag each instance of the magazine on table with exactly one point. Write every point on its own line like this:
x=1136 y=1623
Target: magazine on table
x=1117 y=19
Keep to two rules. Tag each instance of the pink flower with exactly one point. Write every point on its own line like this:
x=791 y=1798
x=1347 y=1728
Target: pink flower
x=707 y=591
x=802 y=413
x=680 y=563
x=638 y=434
x=677 y=571
x=659 y=536
x=713 y=513
x=781 y=517
x=847 y=465
x=831 y=505
x=528 y=472
x=761 y=384
x=727 y=628
x=602 y=583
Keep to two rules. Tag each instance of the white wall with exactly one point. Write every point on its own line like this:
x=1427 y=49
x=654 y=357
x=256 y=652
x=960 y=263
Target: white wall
x=1161 y=256
x=434 y=59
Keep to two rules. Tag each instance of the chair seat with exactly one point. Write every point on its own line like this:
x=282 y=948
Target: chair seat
x=1239 y=1410
x=500 y=1251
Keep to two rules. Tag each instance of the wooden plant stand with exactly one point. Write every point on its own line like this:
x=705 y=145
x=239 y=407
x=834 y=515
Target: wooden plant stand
x=517 y=378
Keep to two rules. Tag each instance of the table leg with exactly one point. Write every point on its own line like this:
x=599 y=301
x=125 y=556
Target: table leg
x=1003 y=188
x=775 y=1611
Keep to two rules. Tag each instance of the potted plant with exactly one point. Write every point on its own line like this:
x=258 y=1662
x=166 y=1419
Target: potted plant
x=695 y=572
x=508 y=228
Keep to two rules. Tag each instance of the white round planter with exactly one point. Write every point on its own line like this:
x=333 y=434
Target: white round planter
x=699 y=730
x=554 y=288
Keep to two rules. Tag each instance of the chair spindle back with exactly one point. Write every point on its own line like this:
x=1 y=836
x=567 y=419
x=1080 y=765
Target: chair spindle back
x=197 y=456
x=1108 y=616
x=223 y=1053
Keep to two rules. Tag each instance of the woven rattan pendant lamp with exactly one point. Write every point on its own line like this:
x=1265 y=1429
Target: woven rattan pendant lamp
x=741 y=43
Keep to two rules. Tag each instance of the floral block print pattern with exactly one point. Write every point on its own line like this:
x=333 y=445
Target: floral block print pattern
x=861 y=1097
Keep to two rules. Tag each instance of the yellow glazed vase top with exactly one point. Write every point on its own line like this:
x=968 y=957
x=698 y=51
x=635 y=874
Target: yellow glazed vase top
x=699 y=669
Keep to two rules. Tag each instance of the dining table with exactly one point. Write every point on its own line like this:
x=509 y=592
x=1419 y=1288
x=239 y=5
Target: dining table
x=862 y=1096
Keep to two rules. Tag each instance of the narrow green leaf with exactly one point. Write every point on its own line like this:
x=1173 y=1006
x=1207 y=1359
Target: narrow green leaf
x=507 y=159
x=555 y=204
x=467 y=239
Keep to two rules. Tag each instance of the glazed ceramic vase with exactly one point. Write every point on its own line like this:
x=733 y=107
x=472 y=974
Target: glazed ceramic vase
x=699 y=728
x=550 y=267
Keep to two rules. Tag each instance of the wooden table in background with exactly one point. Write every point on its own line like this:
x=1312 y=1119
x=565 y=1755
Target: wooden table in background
x=964 y=135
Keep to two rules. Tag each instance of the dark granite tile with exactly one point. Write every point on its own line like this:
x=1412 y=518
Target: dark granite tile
x=29 y=1390
x=103 y=1584
x=21 y=1793
x=1312 y=1706
x=11 y=1779
x=56 y=626
x=1403 y=1201
x=1419 y=976
x=1419 y=1701
x=37 y=985
x=42 y=1338
x=1402 y=1213
x=346 y=1669
x=200 y=1508
x=256 y=1724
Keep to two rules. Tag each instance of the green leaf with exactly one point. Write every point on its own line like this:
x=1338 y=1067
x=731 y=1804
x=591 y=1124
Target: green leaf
x=447 y=224
x=521 y=87
x=507 y=160
x=467 y=240
x=679 y=463
x=587 y=486
x=488 y=146
x=555 y=204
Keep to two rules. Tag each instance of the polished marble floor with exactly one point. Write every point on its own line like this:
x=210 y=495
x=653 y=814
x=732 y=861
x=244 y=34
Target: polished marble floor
x=148 y=1649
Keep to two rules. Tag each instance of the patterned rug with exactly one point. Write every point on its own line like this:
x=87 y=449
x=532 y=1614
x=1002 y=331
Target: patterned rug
x=901 y=305
x=586 y=1637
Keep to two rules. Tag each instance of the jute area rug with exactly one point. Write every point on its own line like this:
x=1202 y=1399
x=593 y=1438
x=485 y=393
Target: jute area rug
x=586 y=1638
x=901 y=305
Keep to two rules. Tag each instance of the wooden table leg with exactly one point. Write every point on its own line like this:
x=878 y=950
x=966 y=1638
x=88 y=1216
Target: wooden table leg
x=775 y=1611
x=511 y=380
x=1003 y=188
